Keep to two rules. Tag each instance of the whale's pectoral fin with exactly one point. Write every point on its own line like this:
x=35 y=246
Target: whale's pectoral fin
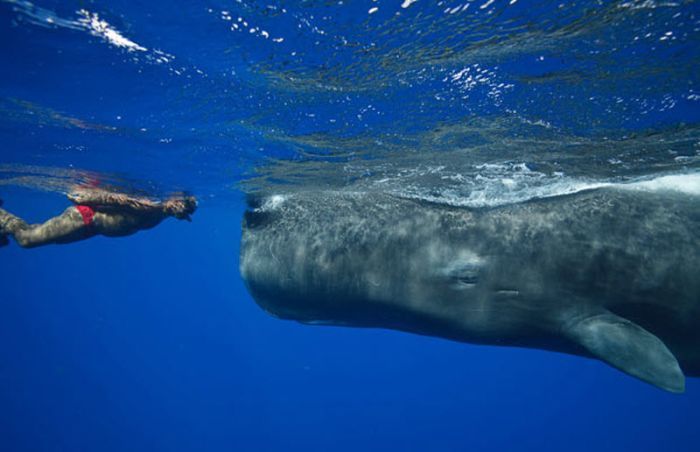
x=628 y=347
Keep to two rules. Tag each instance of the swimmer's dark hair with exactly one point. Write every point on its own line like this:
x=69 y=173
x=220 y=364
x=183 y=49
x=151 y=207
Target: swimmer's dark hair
x=181 y=206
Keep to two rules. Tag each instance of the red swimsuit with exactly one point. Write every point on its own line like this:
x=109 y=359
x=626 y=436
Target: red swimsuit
x=87 y=213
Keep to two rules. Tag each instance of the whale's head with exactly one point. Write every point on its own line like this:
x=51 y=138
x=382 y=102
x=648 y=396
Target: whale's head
x=275 y=260
x=327 y=260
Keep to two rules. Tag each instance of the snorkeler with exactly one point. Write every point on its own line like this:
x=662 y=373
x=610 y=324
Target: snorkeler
x=96 y=212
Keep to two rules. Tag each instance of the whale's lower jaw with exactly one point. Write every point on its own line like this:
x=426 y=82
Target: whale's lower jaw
x=597 y=333
x=602 y=335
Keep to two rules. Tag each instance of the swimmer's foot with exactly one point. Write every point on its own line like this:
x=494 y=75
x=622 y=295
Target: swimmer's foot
x=4 y=216
x=4 y=241
x=6 y=220
x=10 y=224
x=3 y=222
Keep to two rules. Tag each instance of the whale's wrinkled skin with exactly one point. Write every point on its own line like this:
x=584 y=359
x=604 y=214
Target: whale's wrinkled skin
x=611 y=273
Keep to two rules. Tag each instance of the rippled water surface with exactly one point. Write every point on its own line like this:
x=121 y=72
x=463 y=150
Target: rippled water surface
x=466 y=102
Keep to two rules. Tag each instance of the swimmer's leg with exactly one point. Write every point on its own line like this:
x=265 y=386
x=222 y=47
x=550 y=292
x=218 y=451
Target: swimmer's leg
x=4 y=241
x=65 y=228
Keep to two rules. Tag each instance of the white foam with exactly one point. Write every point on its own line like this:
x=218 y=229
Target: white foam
x=273 y=202
x=682 y=183
x=100 y=27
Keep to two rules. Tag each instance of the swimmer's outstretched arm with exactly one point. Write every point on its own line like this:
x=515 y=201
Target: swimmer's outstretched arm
x=180 y=207
x=96 y=197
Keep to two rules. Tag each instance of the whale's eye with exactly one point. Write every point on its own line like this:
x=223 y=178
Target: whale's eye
x=467 y=271
x=464 y=274
x=462 y=270
x=467 y=279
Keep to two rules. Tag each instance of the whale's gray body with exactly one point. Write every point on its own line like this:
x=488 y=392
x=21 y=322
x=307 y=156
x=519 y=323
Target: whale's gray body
x=610 y=273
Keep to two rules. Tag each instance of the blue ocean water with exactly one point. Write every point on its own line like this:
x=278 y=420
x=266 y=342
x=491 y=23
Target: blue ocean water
x=151 y=342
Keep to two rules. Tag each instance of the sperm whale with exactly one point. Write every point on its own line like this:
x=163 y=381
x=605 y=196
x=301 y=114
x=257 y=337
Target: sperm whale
x=611 y=273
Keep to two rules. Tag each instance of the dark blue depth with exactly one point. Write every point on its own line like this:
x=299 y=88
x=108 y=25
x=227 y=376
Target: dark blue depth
x=151 y=342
